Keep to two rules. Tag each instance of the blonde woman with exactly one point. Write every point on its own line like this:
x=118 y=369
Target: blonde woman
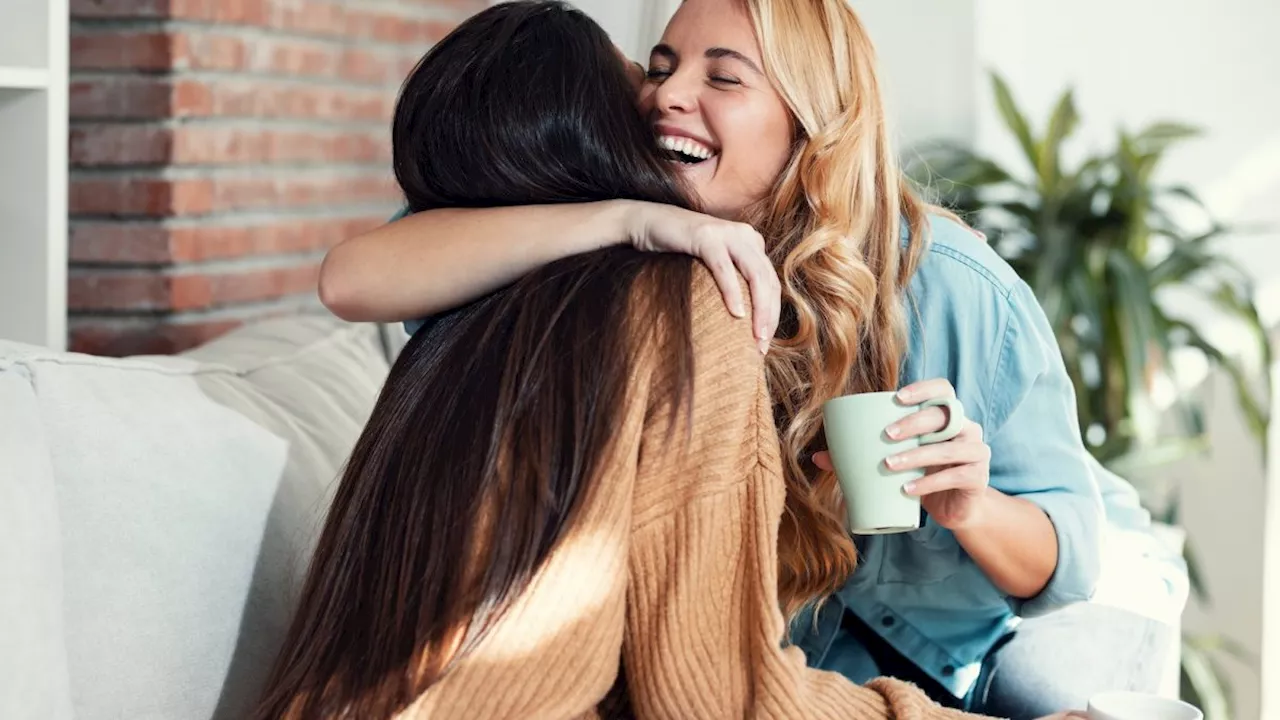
x=771 y=113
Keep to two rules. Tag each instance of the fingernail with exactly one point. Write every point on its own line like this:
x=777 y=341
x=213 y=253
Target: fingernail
x=909 y=487
x=893 y=460
x=893 y=431
x=905 y=395
x=738 y=310
x=764 y=347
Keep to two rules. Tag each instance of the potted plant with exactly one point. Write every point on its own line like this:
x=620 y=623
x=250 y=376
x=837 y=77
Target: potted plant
x=1105 y=245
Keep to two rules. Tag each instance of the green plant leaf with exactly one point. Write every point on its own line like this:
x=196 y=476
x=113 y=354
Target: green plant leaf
x=1237 y=298
x=1020 y=209
x=1157 y=137
x=1163 y=454
x=978 y=172
x=1013 y=117
x=1218 y=643
x=1186 y=193
x=1134 y=306
x=1202 y=684
x=1190 y=255
x=1084 y=294
x=1255 y=414
x=1194 y=575
x=1062 y=123
x=1082 y=239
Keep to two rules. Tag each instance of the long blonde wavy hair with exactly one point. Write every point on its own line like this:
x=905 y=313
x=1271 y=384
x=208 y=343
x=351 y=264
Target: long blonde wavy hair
x=834 y=223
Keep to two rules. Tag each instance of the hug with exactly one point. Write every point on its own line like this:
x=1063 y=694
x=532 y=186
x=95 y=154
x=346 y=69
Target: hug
x=707 y=412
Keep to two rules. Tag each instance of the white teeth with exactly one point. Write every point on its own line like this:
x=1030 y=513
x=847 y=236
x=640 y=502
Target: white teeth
x=688 y=146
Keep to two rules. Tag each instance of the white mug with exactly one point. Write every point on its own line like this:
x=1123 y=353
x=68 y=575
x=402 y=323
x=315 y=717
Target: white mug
x=1140 y=706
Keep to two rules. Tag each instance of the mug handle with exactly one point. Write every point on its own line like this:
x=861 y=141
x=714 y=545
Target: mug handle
x=955 y=420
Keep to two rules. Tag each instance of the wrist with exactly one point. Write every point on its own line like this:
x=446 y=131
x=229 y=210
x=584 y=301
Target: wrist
x=980 y=514
x=614 y=222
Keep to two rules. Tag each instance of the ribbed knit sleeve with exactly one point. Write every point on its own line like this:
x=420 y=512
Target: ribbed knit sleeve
x=704 y=635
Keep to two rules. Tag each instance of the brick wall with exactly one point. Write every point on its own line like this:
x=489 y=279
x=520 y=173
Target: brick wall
x=219 y=147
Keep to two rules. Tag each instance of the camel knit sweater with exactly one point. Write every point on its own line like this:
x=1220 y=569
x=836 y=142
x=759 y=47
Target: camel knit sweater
x=669 y=576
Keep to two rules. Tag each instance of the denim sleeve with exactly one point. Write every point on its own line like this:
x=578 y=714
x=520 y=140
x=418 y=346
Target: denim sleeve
x=1037 y=453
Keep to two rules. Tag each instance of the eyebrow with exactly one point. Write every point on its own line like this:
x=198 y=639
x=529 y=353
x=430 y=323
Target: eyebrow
x=714 y=53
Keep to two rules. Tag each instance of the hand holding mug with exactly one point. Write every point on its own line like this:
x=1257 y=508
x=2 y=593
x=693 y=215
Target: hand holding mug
x=957 y=472
x=954 y=487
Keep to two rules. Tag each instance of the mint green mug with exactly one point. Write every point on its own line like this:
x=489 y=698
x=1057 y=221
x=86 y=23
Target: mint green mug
x=875 y=503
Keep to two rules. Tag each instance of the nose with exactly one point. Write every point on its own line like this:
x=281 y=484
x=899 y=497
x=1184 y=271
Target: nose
x=677 y=94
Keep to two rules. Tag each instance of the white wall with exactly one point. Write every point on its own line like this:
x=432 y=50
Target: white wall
x=628 y=22
x=1215 y=65
x=927 y=61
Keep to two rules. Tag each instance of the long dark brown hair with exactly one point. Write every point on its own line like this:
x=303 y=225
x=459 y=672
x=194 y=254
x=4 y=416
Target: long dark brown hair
x=496 y=419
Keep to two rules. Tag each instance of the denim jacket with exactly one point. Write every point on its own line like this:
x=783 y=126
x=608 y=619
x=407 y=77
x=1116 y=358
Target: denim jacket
x=974 y=322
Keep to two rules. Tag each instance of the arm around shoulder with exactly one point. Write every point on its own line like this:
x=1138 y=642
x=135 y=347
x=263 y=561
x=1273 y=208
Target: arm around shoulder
x=436 y=260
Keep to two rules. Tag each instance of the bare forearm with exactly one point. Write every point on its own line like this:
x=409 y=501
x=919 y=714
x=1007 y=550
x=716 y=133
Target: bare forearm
x=437 y=260
x=1013 y=542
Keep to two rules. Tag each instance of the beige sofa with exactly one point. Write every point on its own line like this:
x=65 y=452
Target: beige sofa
x=156 y=513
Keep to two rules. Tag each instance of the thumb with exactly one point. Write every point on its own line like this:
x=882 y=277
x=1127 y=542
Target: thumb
x=823 y=461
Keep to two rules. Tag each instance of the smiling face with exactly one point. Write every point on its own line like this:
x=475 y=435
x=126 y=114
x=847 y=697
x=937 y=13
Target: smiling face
x=711 y=106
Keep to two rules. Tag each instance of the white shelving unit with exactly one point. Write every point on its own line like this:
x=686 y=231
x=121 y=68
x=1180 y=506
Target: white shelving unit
x=33 y=171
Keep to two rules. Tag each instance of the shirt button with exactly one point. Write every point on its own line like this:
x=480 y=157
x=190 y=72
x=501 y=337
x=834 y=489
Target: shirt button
x=887 y=621
x=948 y=670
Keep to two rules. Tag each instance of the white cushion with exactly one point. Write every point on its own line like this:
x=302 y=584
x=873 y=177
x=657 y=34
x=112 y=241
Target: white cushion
x=33 y=660
x=1143 y=572
x=189 y=490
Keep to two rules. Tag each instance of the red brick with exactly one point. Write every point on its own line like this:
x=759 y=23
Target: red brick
x=145 y=196
x=335 y=18
x=316 y=18
x=198 y=291
x=209 y=51
x=94 y=290
x=154 y=97
x=153 y=243
x=192 y=98
x=276 y=108
x=236 y=12
x=200 y=145
x=364 y=66
x=154 y=50
x=120 y=97
x=267 y=192
x=116 y=49
x=90 y=9
x=129 y=144
x=131 y=242
x=135 y=144
x=132 y=196
x=119 y=337
x=141 y=290
x=467 y=6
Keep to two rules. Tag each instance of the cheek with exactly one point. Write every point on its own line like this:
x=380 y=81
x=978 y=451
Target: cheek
x=757 y=143
x=644 y=98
